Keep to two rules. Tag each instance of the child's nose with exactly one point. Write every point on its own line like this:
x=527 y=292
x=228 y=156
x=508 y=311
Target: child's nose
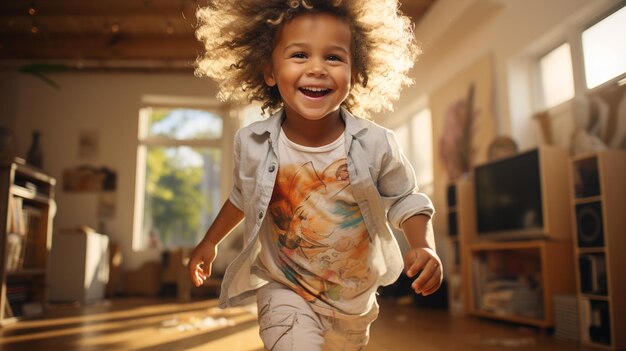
x=317 y=68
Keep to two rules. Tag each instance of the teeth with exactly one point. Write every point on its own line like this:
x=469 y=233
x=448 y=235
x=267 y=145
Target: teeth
x=313 y=89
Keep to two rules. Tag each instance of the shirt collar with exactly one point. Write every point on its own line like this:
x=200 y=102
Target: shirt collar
x=271 y=125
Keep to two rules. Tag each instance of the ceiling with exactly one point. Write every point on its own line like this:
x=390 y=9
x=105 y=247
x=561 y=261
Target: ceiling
x=105 y=34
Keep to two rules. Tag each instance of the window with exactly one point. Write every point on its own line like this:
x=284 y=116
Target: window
x=422 y=136
x=604 y=49
x=179 y=175
x=593 y=55
x=557 y=80
x=415 y=138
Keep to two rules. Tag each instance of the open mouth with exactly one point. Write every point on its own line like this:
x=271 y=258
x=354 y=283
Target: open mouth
x=314 y=92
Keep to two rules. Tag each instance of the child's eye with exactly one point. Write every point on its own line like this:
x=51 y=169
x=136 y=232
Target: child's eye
x=299 y=55
x=334 y=58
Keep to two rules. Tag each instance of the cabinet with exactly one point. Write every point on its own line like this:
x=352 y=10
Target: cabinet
x=516 y=281
x=598 y=203
x=79 y=266
x=461 y=219
x=519 y=251
x=27 y=210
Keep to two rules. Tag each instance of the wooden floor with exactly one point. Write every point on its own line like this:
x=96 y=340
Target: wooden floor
x=159 y=325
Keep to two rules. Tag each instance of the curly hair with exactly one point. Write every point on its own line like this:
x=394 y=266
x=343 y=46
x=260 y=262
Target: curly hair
x=239 y=36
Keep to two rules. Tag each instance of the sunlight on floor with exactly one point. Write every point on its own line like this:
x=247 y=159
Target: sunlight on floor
x=191 y=326
x=157 y=325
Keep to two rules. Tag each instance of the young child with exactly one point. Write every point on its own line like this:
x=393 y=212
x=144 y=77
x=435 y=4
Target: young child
x=316 y=186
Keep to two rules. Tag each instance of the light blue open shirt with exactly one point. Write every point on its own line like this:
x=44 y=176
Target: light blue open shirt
x=382 y=180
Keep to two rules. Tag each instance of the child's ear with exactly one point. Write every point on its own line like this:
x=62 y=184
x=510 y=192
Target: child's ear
x=268 y=75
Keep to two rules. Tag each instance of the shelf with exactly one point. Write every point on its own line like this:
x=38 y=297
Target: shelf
x=587 y=200
x=516 y=281
x=27 y=212
x=35 y=174
x=461 y=230
x=598 y=199
x=594 y=297
x=506 y=245
x=25 y=193
x=27 y=272
x=591 y=250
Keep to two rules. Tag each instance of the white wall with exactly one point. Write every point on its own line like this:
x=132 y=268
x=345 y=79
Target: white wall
x=106 y=102
x=456 y=33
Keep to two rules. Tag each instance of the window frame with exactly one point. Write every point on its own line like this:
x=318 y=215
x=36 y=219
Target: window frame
x=615 y=80
x=573 y=37
x=224 y=110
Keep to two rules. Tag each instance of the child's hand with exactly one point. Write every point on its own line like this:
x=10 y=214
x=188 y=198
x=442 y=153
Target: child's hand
x=424 y=264
x=200 y=262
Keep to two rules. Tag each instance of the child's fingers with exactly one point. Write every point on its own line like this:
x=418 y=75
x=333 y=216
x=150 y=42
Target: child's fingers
x=193 y=274
x=415 y=269
x=192 y=266
x=415 y=263
x=200 y=277
x=431 y=285
x=198 y=271
x=197 y=279
x=205 y=269
x=429 y=272
x=200 y=274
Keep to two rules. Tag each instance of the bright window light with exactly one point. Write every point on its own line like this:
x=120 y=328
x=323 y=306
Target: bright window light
x=604 y=49
x=557 y=80
x=415 y=138
x=179 y=170
x=422 y=134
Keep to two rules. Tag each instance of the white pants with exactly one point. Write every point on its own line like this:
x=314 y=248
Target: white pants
x=287 y=323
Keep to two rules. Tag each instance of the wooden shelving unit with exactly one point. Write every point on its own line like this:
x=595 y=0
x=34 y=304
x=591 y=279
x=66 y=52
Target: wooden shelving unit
x=27 y=210
x=598 y=204
x=461 y=232
x=514 y=276
x=515 y=281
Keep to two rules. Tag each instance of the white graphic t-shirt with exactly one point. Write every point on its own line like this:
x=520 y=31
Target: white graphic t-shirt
x=317 y=243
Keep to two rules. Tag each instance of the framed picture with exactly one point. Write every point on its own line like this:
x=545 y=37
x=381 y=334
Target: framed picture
x=86 y=178
x=88 y=144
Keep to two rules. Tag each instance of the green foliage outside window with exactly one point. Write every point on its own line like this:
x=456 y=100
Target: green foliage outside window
x=182 y=182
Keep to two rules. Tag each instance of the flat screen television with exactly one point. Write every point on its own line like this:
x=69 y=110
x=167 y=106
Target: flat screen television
x=508 y=196
x=523 y=196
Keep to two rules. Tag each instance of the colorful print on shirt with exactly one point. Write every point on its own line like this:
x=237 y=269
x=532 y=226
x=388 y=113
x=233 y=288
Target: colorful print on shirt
x=323 y=247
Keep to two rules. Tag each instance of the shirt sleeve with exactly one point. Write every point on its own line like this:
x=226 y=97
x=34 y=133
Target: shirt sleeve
x=397 y=186
x=236 y=197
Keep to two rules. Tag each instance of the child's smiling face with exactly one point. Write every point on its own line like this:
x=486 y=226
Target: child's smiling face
x=312 y=65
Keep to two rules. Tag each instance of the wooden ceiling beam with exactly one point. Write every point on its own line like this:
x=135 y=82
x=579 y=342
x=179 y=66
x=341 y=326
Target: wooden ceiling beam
x=86 y=25
x=158 y=31
x=105 y=12
x=91 y=7
x=100 y=47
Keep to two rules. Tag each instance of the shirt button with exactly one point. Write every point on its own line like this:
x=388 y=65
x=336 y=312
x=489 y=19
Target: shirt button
x=271 y=168
x=260 y=214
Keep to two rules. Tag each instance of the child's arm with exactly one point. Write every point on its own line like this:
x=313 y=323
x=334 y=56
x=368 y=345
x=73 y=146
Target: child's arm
x=203 y=255
x=422 y=258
